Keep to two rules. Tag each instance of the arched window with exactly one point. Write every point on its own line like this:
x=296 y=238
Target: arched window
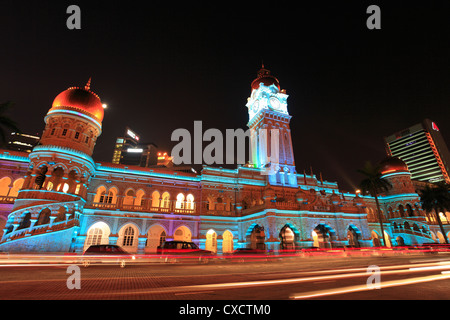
x=165 y=200
x=180 y=201
x=25 y=223
x=129 y=198
x=44 y=217
x=100 y=195
x=155 y=199
x=128 y=237
x=139 y=201
x=61 y=214
x=4 y=186
x=190 y=202
x=17 y=185
x=409 y=210
x=97 y=234
x=94 y=236
x=112 y=196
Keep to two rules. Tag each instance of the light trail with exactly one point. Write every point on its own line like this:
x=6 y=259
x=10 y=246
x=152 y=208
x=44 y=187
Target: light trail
x=248 y=284
x=359 y=288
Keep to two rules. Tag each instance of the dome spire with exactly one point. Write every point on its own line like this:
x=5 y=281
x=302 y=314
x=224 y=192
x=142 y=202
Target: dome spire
x=88 y=85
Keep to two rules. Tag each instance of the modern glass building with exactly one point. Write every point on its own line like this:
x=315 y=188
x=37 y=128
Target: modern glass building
x=423 y=149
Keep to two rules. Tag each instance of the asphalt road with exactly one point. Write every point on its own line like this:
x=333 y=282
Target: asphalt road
x=406 y=277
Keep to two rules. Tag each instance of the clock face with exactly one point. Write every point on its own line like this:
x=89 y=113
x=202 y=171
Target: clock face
x=255 y=107
x=275 y=103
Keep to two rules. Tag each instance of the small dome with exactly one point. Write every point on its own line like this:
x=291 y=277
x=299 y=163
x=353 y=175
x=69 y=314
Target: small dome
x=393 y=164
x=82 y=99
x=265 y=78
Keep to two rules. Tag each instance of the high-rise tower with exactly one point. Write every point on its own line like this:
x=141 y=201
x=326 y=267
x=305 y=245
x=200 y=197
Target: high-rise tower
x=270 y=134
x=423 y=149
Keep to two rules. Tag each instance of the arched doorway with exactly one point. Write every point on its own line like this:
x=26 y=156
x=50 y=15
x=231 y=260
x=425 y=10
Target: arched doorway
x=211 y=241
x=182 y=233
x=98 y=233
x=353 y=236
x=129 y=238
x=322 y=236
x=375 y=239
x=287 y=237
x=256 y=237
x=227 y=243
x=156 y=236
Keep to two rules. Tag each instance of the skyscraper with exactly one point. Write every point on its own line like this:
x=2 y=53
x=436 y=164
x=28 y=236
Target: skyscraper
x=423 y=149
x=128 y=150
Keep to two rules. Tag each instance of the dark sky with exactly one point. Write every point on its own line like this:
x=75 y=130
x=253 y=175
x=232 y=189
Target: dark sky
x=161 y=65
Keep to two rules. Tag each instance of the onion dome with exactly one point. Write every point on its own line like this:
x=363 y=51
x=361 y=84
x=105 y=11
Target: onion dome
x=265 y=78
x=393 y=164
x=80 y=99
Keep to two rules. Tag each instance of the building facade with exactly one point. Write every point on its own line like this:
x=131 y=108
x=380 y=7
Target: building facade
x=58 y=199
x=423 y=149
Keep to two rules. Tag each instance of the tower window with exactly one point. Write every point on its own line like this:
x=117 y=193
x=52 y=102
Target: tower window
x=77 y=134
x=53 y=131
x=64 y=132
x=87 y=140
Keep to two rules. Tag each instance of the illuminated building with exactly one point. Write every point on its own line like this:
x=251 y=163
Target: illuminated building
x=22 y=142
x=423 y=149
x=58 y=199
x=128 y=150
x=130 y=140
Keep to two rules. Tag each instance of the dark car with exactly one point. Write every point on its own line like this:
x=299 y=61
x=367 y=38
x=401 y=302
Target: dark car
x=104 y=249
x=181 y=248
x=105 y=254
x=248 y=251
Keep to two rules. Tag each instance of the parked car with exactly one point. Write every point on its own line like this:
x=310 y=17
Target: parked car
x=106 y=253
x=181 y=248
x=249 y=251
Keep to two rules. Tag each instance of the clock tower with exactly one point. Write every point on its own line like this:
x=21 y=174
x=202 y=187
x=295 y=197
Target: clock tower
x=270 y=134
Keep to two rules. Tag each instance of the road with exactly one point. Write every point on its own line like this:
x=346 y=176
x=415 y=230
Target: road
x=405 y=277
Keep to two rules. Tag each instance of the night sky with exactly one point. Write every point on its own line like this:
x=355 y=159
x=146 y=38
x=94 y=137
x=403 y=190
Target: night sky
x=161 y=65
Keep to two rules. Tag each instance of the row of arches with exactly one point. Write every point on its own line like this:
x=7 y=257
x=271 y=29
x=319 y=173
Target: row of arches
x=43 y=218
x=403 y=211
x=128 y=237
x=137 y=198
x=55 y=178
x=322 y=236
x=8 y=188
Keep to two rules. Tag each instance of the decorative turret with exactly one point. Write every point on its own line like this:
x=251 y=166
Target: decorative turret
x=55 y=188
x=395 y=171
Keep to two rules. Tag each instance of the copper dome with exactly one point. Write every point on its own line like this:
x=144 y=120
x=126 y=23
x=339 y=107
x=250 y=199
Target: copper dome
x=265 y=78
x=393 y=164
x=81 y=99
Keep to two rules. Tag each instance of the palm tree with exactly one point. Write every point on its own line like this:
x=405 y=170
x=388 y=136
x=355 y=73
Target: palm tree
x=5 y=122
x=436 y=198
x=374 y=185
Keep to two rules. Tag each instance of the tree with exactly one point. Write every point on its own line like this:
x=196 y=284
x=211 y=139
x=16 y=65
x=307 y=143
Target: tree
x=374 y=185
x=5 y=122
x=436 y=198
